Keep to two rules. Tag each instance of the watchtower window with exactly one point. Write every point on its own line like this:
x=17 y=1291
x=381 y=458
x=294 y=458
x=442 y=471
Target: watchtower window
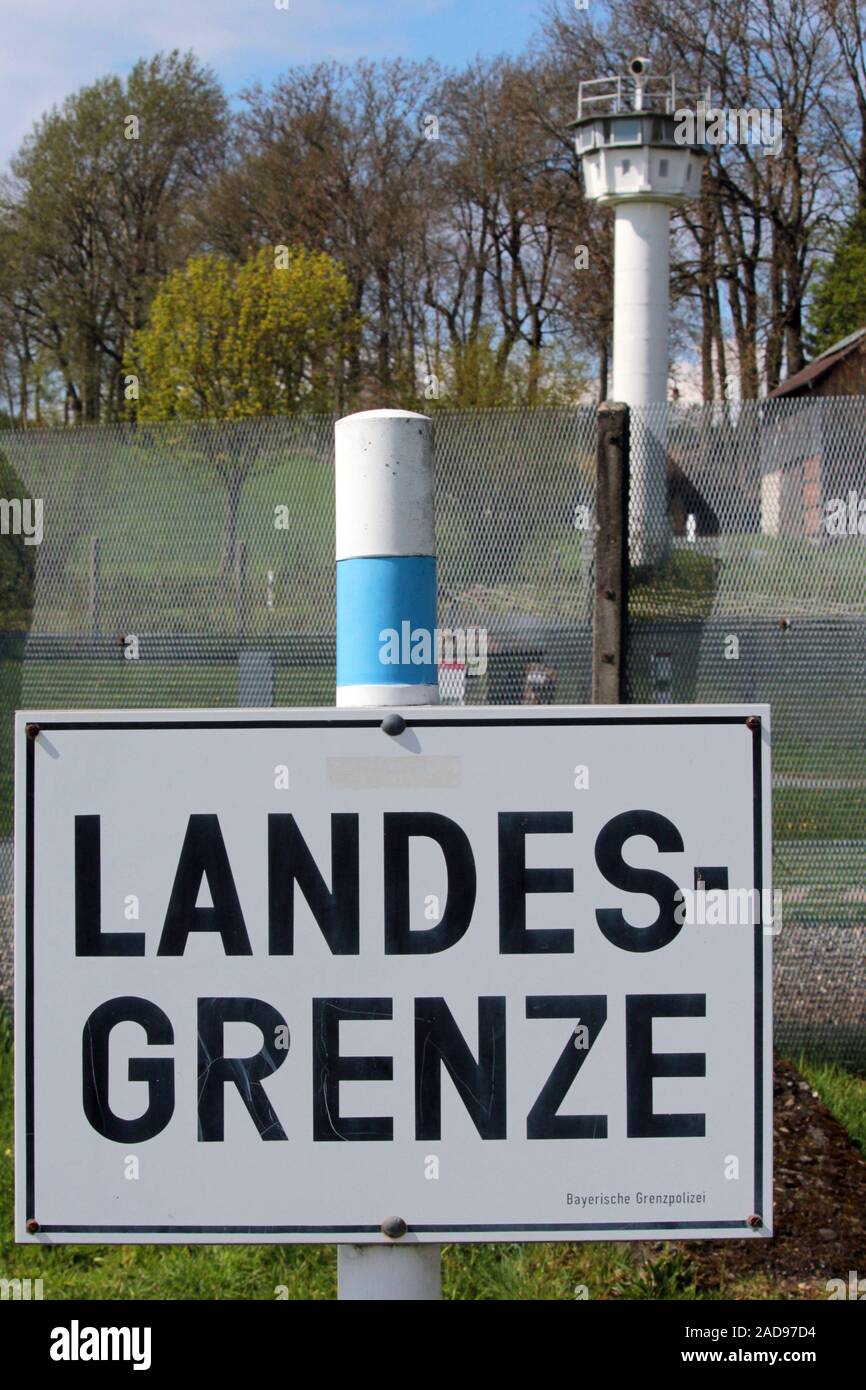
x=662 y=130
x=625 y=132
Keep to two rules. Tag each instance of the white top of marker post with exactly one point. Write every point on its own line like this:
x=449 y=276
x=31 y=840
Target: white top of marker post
x=384 y=483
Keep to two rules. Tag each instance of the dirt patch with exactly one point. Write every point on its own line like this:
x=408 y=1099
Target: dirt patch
x=820 y=1205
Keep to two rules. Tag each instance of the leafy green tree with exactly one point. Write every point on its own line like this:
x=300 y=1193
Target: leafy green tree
x=234 y=341
x=478 y=374
x=98 y=210
x=839 y=300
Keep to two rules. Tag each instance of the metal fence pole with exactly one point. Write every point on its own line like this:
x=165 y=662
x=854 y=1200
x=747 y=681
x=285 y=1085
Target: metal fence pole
x=610 y=597
x=95 y=559
x=240 y=587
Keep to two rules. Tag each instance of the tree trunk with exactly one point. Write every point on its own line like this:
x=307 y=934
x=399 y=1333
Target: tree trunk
x=773 y=357
x=603 y=371
x=719 y=335
x=234 y=487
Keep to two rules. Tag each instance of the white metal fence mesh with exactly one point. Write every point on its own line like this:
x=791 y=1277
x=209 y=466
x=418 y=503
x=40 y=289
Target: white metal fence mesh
x=762 y=596
x=212 y=546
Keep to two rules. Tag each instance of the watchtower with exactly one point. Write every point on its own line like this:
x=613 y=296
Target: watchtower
x=636 y=156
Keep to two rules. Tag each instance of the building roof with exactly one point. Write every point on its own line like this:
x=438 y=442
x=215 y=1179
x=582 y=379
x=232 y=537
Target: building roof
x=822 y=364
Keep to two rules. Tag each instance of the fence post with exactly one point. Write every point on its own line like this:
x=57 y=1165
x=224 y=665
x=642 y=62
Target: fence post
x=240 y=587
x=94 y=585
x=610 y=597
x=256 y=678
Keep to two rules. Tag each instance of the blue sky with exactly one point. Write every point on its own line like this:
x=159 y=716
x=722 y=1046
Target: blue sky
x=51 y=47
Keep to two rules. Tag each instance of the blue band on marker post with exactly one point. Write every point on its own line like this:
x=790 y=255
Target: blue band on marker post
x=386 y=620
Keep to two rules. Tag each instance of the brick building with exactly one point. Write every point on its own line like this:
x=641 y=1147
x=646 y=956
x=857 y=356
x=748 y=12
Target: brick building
x=803 y=465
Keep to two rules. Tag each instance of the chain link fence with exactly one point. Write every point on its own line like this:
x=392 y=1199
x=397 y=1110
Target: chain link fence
x=193 y=565
x=757 y=591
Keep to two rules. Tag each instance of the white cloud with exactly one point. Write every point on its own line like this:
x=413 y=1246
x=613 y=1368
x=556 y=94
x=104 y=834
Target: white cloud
x=51 y=48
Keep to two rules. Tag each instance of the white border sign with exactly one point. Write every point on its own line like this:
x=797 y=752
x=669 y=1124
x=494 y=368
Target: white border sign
x=282 y=976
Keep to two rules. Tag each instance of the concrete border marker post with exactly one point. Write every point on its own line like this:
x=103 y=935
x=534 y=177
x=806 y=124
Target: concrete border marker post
x=386 y=563
x=386 y=584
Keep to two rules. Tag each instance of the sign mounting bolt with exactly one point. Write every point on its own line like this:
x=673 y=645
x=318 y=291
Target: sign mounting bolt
x=753 y=723
x=393 y=724
x=32 y=730
x=32 y=1227
x=394 y=1227
x=755 y=1222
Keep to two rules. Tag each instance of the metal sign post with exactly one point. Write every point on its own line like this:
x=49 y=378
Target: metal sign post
x=386 y=584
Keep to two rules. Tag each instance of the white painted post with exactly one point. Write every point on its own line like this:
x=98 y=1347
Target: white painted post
x=389 y=1273
x=641 y=276
x=386 y=582
x=641 y=310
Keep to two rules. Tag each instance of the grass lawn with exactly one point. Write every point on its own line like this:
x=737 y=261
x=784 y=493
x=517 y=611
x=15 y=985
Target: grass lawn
x=844 y=1094
x=167 y=684
x=760 y=572
x=818 y=813
x=683 y=587
x=470 y=1272
x=811 y=813
x=801 y=756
